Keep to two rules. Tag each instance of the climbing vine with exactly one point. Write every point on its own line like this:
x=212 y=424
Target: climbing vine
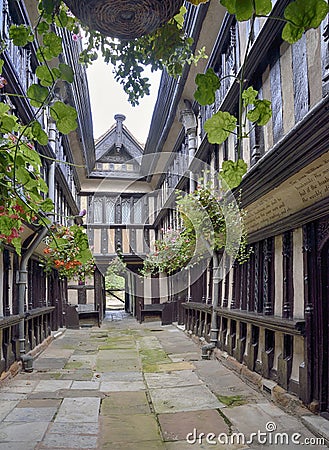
x=23 y=192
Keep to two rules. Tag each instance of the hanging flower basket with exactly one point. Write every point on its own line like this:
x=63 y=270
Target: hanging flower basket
x=124 y=19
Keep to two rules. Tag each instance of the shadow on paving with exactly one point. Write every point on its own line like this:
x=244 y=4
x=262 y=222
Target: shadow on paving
x=133 y=386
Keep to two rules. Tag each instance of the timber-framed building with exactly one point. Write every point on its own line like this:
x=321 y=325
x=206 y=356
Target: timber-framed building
x=272 y=313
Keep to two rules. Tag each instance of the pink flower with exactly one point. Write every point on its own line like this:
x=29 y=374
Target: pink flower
x=3 y=82
x=76 y=37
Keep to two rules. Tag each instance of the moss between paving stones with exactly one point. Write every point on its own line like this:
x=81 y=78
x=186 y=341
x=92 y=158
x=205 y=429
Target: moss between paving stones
x=152 y=357
x=231 y=400
x=73 y=365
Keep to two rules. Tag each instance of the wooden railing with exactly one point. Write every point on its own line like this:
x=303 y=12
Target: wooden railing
x=265 y=344
x=39 y=323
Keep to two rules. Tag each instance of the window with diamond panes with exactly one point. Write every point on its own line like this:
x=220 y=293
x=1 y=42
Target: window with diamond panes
x=125 y=210
x=110 y=210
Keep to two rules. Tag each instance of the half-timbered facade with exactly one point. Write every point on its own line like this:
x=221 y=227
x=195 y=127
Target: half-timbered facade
x=272 y=311
x=46 y=296
x=272 y=314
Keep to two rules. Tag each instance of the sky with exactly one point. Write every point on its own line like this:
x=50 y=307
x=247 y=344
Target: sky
x=108 y=98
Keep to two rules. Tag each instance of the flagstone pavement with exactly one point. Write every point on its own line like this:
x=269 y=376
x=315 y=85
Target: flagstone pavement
x=139 y=387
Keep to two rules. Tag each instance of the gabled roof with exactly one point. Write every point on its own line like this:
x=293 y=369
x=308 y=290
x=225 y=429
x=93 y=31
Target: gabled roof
x=118 y=153
x=118 y=138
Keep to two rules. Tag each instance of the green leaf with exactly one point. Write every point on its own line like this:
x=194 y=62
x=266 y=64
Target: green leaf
x=5 y=225
x=62 y=19
x=66 y=73
x=17 y=243
x=249 y=96
x=4 y=108
x=23 y=176
x=1 y=65
x=220 y=126
x=208 y=84
x=65 y=117
x=244 y=9
x=229 y=5
x=7 y=123
x=43 y=27
x=47 y=206
x=303 y=15
x=39 y=134
x=49 y=5
x=262 y=112
x=31 y=156
x=21 y=35
x=84 y=255
x=263 y=7
x=42 y=186
x=52 y=47
x=232 y=172
x=46 y=75
x=37 y=95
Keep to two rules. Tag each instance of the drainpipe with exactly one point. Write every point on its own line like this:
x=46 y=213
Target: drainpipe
x=40 y=235
x=209 y=348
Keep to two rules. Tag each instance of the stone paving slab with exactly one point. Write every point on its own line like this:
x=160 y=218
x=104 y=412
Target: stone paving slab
x=119 y=376
x=77 y=410
x=20 y=387
x=318 y=425
x=250 y=418
x=31 y=415
x=172 y=379
x=166 y=367
x=185 y=398
x=87 y=361
x=12 y=396
x=86 y=428
x=116 y=386
x=226 y=382
x=128 y=428
x=39 y=403
x=102 y=399
x=22 y=431
x=89 y=385
x=125 y=403
x=183 y=445
x=77 y=374
x=188 y=356
x=52 y=385
x=18 y=445
x=49 y=363
x=187 y=424
x=144 y=445
x=6 y=407
x=76 y=441
x=127 y=365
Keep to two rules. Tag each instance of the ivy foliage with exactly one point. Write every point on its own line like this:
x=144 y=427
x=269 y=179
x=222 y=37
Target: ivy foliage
x=208 y=84
x=232 y=172
x=220 y=126
x=302 y=15
x=23 y=191
x=209 y=217
x=245 y=9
